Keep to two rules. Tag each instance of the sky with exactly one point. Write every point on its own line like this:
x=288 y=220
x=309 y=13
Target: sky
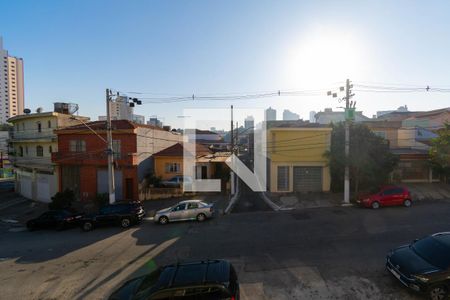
x=74 y=50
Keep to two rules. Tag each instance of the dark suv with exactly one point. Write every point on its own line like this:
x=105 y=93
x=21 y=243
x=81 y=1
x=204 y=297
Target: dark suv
x=424 y=265
x=55 y=219
x=200 y=280
x=122 y=213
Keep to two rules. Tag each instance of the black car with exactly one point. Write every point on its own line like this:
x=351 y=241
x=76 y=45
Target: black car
x=57 y=219
x=200 y=280
x=124 y=214
x=424 y=265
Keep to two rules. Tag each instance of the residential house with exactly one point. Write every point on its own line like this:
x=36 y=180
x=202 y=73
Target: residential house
x=208 y=138
x=208 y=165
x=411 y=144
x=296 y=161
x=82 y=158
x=32 y=143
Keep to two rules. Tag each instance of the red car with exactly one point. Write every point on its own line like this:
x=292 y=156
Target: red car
x=387 y=196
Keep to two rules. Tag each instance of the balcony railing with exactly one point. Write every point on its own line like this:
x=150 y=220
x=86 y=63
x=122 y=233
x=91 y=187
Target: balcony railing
x=33 y=134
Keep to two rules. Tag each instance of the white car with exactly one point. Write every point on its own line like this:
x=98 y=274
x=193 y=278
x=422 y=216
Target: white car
x=185 y=210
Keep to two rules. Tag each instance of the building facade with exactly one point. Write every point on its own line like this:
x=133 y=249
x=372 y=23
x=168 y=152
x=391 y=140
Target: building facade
x=32 y=143
x=11 y=85
x=82 y=158
x=249 y=122
x=270 y=114
x=296 y=157
x=290 y=116
x=329 y=116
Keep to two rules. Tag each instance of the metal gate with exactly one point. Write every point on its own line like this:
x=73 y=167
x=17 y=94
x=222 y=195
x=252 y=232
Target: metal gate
x=102 y=182
x=307 y=179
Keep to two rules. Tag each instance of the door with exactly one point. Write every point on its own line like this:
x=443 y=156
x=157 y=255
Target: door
x=102 y=182
x=388 y=197
x=178 y=212
x=43 y=188
x=129 y=189
x=307 y=179
x=25 y=186
x=192 y=210
x=204 y=172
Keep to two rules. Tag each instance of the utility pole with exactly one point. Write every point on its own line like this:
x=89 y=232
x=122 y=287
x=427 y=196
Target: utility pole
x=109 y=150
x=237 y=138
x=232 y=152
x=349 y=116
x=347 y=145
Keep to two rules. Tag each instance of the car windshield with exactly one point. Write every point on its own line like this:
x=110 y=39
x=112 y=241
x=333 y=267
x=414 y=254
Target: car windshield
x=433 y=251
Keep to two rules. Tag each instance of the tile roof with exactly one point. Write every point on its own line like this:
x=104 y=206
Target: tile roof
x=178 y=150
x=116 y=124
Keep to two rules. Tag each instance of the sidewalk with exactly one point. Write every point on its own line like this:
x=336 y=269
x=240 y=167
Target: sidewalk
x=307 y=200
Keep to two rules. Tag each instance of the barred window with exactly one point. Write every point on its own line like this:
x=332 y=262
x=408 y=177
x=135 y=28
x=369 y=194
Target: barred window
x=77 y=146
x=39 y=151
x=173 y=168
x=283 y=178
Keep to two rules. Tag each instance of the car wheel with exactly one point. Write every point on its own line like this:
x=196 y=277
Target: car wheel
x=438 y=292
x=407 y=203
x=375 y=205
x=163 y=220
x=87 y=226
x=201 y=217
x=125 y=223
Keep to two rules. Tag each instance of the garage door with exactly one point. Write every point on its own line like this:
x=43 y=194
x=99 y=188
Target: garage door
x=102 y=182
x=25 y=186
x=307 y=179
x=43 y=188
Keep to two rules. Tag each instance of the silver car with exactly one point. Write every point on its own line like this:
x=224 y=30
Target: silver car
x=185 y=210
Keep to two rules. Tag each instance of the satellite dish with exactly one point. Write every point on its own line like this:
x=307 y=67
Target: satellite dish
x=39 y=110
x=26 y=111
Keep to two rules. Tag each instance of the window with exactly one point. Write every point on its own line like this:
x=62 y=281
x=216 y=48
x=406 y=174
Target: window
x=39 y=151
x=77 y=146
x=116 y=149
x=20 y=151
x=380 y=134
x=192 y=205
x=283 y=178
x=26 y=150
x=39 y=127
x=49 y=124
x=173 y=168
x=50 y=150
x=179 y=207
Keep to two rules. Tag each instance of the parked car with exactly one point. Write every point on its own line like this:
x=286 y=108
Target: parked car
x=185 y=210
x=387 y=196
x=176 y=181
x=55 y=219
x=124 y=214
x=424 y=265
x=210 y=279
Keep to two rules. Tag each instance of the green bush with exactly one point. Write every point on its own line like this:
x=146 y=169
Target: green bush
x=151 y=179
x=62 y=200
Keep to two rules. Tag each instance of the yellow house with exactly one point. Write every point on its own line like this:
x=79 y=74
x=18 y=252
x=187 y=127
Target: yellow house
x=296 y=161
x=169 y=162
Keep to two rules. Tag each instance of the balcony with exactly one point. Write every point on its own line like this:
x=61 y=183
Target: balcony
x=33 y=135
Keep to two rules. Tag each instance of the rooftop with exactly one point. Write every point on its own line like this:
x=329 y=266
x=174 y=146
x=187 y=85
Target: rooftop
x=178 y=150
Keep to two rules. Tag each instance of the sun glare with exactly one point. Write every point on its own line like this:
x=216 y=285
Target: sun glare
x=322 y=59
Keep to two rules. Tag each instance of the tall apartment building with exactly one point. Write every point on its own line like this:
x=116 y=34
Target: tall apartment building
x=290 y=116
x=11 y=85
x=270 y=114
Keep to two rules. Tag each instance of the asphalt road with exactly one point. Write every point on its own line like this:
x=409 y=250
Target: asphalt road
x=326 y=253
x=249 y=201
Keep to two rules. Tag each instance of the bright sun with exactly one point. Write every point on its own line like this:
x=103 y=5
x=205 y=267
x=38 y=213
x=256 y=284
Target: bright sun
x=322 y=59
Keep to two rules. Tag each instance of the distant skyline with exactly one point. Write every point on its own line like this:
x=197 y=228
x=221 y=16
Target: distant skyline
x=74 y=50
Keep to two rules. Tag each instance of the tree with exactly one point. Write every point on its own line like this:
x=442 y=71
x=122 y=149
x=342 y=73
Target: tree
x=440 y=153
x=370 y=160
